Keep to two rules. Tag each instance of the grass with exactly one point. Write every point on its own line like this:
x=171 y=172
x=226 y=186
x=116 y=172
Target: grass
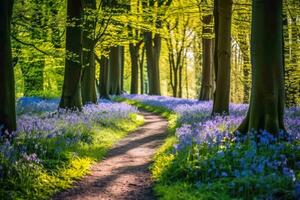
x=37 y=181
x=163 y=158
x=176 y=175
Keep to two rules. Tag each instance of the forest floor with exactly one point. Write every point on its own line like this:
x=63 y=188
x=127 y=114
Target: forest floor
x=124 y=173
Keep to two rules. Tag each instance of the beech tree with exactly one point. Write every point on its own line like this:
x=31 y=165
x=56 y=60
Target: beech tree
x=153 y=53
x=153 y=46
x=134 y=55
x=222 y=55
x=206 y=91
x=7 y=83
x=267 y=94
x=104 y=77
x=88 y=89
x=71 y=94
x=115 y=65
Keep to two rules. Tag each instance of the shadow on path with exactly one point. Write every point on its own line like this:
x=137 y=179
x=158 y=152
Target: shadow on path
x=124 y=173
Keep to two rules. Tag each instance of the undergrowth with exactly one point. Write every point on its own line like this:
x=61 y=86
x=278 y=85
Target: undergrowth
x=63 y=162
x=207 y=169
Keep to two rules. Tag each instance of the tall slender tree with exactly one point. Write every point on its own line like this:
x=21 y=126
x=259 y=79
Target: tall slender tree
x=153 y=45
x=141 y=64
x=222 y=15
x=207 y=63
x=134 y=55
x=115 y=70
x=88 y=88
x=7 y=83
x=71 y=94
x=267 y=94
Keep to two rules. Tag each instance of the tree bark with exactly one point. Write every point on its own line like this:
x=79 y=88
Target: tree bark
x=223 y=14
x=122 y=54
x=115 y=70
x=207 y=67
x=134 y=55
x=153 y=46
x=142 y=70
x=88 y=89
x=71 y=94
x=7 y=81
x=267 y=95
x=104 y=77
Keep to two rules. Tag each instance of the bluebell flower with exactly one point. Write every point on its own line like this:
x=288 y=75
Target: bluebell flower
x=224 y=174
x=289 y=173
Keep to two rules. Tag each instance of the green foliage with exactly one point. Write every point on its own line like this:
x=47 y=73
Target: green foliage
x=38 y=42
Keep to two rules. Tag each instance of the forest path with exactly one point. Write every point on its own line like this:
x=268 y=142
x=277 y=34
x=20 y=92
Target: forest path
x=124 y=173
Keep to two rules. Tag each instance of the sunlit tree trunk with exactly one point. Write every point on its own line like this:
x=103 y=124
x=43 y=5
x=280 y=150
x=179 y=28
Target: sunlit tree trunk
x=134 y=55
x=153 y=47
x=122 y=54
x=141 y=63
x=180 y=76
x=71 y=94
x=267 y=95
x=223 y=14
x=207 y=56
x=7 y=83
x=88 y=88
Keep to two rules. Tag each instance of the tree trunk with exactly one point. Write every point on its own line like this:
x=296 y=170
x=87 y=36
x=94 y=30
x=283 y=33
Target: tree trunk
x=122 y=54
x=88 y=89
x=134 y=55
x=104 y=77
x=223 y=16
x=115 y=70
x=71 y=94
x=267 y=95
x=180 y=80
x=207 y=70
x=156 y=73
x=142 y=70
x=7 y=81
x=153 y=55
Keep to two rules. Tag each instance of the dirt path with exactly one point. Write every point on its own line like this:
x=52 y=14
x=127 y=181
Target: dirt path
x=124 y=174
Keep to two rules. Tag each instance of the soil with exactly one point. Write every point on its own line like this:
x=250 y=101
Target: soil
x=124 y=173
